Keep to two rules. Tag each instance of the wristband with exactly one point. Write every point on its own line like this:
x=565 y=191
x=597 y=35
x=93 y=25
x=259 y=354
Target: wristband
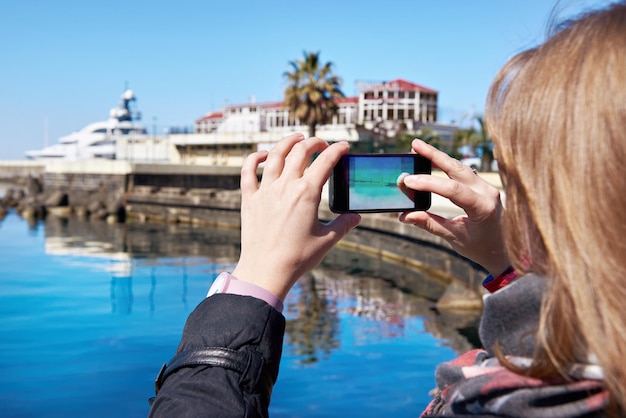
x=227 y=283
x=495 y=283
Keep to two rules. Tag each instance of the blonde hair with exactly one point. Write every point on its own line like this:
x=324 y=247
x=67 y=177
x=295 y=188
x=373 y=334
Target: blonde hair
x=557 y=115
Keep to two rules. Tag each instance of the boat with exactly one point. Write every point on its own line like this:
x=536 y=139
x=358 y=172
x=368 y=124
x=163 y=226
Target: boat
x=98 y=139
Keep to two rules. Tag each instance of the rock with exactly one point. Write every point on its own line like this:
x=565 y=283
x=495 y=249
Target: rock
x=118 y=209
x=34 y=186
x=60 y=211
x=7 y=193
x=81 y=212
x=28 y=213
x=32 y=210
x=18 y=195
x=95 y=206
x=28 y=201
x=8 y=200
x=57 y=198
x=99 y=215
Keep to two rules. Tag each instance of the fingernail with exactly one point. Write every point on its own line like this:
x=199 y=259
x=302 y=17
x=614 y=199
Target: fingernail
x=343 y=143
x=412 y=178
x=401 y=177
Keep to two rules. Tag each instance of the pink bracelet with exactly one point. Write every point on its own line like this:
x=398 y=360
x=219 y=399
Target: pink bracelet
x=227 y=283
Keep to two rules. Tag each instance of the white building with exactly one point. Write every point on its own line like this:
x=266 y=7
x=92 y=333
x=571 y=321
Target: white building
x=226 y=137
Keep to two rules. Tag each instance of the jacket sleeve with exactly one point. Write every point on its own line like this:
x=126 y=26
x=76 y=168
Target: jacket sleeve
x=226 y=363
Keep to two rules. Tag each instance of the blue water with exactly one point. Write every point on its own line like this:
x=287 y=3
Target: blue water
x=85 y=326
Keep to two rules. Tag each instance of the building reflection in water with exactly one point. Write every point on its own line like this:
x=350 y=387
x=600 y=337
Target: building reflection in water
x=120 y=248
x=353 y=284
x=346 y=282
x=122 y=289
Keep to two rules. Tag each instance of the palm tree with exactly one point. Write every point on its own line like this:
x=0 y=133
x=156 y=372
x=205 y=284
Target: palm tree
x=485 y=145
x=312 y=91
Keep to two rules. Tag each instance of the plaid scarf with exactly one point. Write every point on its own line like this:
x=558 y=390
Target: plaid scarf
x=477 y=384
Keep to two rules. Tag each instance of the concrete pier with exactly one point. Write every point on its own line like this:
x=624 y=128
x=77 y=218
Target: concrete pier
x=208 y=195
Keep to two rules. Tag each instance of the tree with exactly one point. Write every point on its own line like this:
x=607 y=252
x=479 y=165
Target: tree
x=485 y=145
x=312 y=91
x=477 y=141
x=463 y=138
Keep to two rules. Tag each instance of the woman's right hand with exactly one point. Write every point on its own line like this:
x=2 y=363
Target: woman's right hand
x=281 y=235
x=476 y=235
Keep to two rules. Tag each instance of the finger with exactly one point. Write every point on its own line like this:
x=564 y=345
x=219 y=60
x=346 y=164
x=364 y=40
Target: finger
x=451 y=166
x=339 y=227
x=249 y=181
x=322 y=166
x=474 y=203
x=300 y=155
x=408 y=192
x=276 y=157
x=430 y=222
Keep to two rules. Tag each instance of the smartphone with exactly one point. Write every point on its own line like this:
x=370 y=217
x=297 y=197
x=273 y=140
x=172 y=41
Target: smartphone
x=369 y=183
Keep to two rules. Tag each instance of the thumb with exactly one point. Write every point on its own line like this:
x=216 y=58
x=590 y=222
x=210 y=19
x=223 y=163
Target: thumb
x=341 y=225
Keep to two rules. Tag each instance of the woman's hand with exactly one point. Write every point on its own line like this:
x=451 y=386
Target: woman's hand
x=281 y=236
x=476 y=235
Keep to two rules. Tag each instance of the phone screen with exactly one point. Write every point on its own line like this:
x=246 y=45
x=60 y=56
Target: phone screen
x=369 y=183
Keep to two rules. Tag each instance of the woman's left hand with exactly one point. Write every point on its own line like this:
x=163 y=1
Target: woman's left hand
x=476 y=235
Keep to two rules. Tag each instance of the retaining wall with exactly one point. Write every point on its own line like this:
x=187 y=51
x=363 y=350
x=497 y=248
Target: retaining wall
x=380 y=235
x=210 y=196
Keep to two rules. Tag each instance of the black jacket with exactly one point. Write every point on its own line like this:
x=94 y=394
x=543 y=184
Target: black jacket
x=241 y=335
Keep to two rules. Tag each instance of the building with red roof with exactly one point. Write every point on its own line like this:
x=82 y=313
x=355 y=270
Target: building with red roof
x=225 y=137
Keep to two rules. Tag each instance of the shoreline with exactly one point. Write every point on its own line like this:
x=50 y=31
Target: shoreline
x=118 y=192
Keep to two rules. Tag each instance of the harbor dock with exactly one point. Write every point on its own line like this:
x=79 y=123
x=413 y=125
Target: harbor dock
x=209 y=195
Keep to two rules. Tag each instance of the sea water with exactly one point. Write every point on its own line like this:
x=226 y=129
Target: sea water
x=89 y=312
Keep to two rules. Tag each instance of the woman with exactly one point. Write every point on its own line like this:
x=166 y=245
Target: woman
x=553 y=330
x=557 y=115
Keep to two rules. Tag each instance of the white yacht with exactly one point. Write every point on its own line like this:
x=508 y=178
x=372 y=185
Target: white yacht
x=96 y=140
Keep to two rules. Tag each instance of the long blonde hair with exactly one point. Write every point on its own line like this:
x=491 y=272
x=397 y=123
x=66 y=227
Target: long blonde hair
x=557 y=115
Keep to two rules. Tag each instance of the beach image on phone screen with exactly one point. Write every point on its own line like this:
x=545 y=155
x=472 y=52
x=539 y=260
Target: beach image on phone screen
x=373 y=182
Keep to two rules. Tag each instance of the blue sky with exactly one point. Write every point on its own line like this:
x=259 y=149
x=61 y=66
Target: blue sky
x=64 y=64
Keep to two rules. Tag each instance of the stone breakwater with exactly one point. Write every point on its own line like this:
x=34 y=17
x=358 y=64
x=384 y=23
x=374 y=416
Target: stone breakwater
x=62 y=190
x=98 y=190
x=116 y=191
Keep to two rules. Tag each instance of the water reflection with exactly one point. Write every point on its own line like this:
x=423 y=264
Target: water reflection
x=346 y=284
x=122 y=295
x=314 y=323
x=119 y=248
x=314 y=308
